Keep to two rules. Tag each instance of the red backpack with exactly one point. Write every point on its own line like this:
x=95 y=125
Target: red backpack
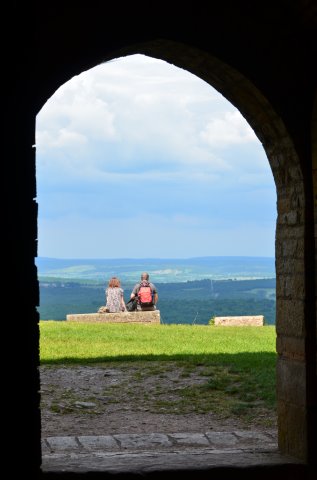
x=145 y=294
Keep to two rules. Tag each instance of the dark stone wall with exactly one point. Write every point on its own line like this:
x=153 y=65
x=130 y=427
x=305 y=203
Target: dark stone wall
x=262 y=57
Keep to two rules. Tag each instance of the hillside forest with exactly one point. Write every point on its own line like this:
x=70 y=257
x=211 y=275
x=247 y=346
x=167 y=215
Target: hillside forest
x=189 y=302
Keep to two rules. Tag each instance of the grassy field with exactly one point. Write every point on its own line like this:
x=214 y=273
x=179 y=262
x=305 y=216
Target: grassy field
x=237 y=363
x=63 y=342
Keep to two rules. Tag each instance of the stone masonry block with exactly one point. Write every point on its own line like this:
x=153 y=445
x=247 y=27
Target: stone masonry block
x=290 y=317
x=254 y=321
x=295 y=173
x=221 y=439
x=293 y=247
x=189 y=438
x=284 y=205
x=291 y=381
x=121 y=317
x=289 y=218
x=290 y=347
x=284 y=231
x=292 y=433
x=62 y=444
x=98 y=442
x=135 y=440
x=289 y=266
x=290 y=286
x=298 y=199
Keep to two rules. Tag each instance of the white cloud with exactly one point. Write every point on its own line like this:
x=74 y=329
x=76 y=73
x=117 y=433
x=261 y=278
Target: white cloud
x=138 y=102
x=138 y=124
x=81 y=116
x=61 y=138
x=229 y=129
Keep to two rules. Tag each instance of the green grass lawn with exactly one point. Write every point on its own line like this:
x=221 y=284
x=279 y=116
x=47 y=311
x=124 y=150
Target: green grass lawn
x=62 y=342
x=237 y=363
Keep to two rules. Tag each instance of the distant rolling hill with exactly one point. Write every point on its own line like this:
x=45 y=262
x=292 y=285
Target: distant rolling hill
x=160 y=269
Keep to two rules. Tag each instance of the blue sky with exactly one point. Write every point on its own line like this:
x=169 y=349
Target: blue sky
x=138 y=158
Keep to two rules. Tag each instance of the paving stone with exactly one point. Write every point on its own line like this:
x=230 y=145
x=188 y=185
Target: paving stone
x=63 y=443
x=149 y=440
x=98 y=442
x=249 y=436
x=44 y=447
x=223 y=439
x=189 y=438
x=144 y=453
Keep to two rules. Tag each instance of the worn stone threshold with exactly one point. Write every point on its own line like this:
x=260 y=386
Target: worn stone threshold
x=147 y=461
x=145 y=454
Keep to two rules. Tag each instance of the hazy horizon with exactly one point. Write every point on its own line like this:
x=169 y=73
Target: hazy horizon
x=162 y=269
x=156 y=258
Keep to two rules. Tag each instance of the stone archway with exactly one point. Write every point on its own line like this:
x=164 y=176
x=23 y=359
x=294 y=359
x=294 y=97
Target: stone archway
x=292 y=252
x=274 y=46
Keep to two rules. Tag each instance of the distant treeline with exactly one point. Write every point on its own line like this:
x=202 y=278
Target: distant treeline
x=194 y=302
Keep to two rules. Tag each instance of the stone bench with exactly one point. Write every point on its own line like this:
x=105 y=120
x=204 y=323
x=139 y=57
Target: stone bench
x=254 y=321
x=121 y=317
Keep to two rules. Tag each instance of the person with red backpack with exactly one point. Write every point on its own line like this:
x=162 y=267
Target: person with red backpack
x=146 y=293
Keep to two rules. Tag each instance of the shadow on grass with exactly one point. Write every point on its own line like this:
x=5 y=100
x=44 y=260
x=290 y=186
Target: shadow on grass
x=238 y=384
x=245 y=370
x=243 y=359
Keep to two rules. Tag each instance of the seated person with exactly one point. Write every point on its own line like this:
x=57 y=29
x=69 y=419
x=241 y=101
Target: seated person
x=114 y=296
x=147 y=297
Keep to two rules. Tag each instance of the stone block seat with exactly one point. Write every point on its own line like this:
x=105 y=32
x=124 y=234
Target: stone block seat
x=121 y=317
x=241 y=321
